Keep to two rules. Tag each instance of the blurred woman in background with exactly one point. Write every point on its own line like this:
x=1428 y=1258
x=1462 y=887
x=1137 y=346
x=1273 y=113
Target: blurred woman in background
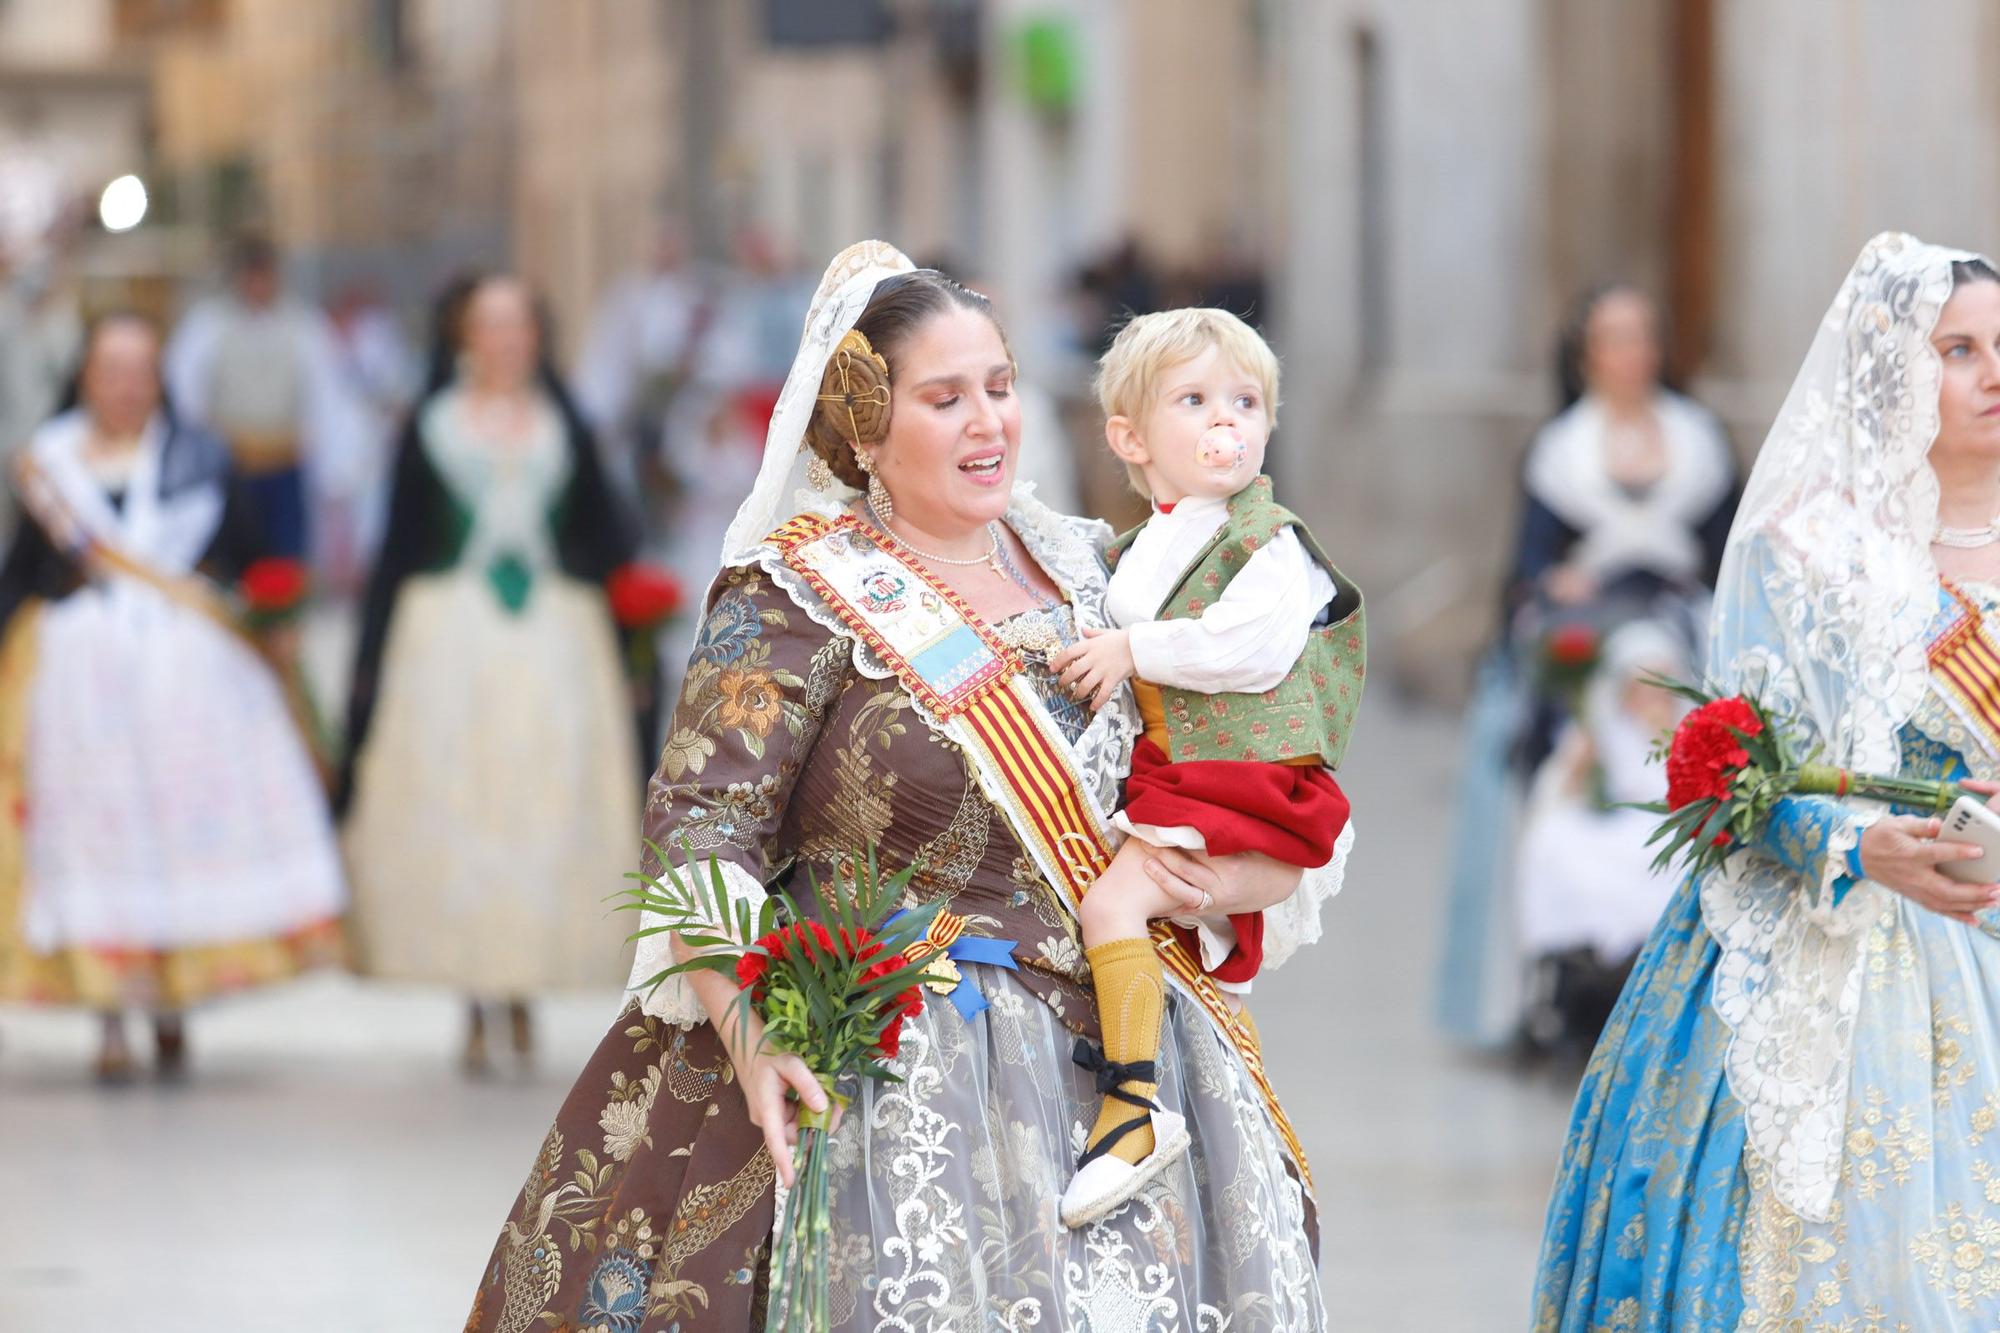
x=1630 y=488
x=1628 y=495
x=166 y=835
x=491 y=788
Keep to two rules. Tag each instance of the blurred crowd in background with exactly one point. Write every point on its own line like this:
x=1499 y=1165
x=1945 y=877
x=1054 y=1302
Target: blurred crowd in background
x=464 y=304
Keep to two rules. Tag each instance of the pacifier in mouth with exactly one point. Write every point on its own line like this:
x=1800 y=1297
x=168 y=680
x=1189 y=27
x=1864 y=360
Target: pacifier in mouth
x=1221 y=448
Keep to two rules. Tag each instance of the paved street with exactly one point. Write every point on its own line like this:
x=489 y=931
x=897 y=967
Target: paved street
x=326 y=1168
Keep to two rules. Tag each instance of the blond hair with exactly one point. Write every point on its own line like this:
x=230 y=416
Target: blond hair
x=1150 y=345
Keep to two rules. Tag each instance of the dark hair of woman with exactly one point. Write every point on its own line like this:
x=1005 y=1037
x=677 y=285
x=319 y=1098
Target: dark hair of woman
x=72 y=394
x=1965 y=271
x=1573 y=342
x=900 y=306
x=448 y=330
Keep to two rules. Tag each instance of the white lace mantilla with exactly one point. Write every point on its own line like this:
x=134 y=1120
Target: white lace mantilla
x=1822 y=604
x=1788 y=984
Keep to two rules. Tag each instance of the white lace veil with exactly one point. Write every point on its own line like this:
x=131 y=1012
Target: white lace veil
x=1826 y=591
x=784 y=487
x=1828 y=582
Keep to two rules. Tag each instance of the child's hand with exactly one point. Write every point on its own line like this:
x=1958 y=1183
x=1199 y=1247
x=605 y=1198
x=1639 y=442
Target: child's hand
x=1095 y=668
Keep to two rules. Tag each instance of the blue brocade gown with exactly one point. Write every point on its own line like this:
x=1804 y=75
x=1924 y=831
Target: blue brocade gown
x=1663 y=1219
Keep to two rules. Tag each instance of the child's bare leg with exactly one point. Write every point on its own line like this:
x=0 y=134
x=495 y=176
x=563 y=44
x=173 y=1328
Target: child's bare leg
x=1131 y=995
x=1124 y=901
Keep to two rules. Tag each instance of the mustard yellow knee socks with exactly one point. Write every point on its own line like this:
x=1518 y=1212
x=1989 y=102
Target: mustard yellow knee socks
x=1131 y=1002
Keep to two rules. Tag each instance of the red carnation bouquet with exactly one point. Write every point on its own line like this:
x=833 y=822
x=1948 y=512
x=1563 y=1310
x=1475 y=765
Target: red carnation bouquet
x=1730 y=761
x=833 y=988
x=273 y=592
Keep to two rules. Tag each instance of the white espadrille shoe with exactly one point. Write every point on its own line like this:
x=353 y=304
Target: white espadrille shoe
x=1103 y=1184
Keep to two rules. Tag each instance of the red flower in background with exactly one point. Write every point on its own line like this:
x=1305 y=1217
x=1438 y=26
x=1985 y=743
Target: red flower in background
x=1707 y=752
x=643 y=596
x=273 y=586
x=1573 y=646
x=754 y=407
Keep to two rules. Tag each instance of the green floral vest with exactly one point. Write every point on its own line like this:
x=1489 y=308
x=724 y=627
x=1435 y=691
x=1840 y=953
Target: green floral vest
x=1311 y=711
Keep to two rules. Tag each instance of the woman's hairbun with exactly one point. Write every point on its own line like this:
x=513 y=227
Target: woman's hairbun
x=853 y=407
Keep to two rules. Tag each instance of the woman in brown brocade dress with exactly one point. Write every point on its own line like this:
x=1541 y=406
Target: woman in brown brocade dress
x=803 y=734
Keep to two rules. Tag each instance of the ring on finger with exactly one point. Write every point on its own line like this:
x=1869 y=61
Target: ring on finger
x=1207 y=900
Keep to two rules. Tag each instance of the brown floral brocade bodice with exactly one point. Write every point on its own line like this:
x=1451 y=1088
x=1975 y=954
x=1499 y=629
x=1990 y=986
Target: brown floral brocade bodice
x=785 y=758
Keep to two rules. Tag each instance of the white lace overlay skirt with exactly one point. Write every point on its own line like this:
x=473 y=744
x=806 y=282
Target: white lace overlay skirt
x=171 y=800
x=497 y=799
x=946 y=1189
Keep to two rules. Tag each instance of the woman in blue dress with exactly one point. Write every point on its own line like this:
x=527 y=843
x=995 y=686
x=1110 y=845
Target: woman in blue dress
x=1792 y=1121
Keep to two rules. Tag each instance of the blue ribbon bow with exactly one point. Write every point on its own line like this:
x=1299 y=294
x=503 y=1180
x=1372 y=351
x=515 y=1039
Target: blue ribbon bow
x=965 y=996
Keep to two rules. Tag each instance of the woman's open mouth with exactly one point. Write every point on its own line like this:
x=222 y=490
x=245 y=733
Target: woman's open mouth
x=985 y=467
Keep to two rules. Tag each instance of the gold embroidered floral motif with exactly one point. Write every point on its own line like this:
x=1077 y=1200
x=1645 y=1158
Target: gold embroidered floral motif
x=750 y=699
x=1946 y=1054
x=1960 y=1255
x=627 y=1113
x=1884 y=1147
x=703 y=1215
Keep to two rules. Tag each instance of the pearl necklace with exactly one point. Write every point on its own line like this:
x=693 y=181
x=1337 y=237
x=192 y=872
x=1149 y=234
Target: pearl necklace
x=1967 y=539
x=990 y=558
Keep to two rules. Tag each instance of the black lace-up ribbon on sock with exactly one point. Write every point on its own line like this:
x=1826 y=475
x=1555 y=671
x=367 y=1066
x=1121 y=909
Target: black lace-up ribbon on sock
x=1110 y=1075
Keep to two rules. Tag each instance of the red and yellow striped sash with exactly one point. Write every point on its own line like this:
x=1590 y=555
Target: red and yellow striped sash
x=1021 y=764
x=1965 y=662
x=1043 y=784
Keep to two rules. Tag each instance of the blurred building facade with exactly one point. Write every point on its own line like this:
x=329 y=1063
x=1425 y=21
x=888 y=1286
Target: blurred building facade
x=1457 y=170
x=1425 y=184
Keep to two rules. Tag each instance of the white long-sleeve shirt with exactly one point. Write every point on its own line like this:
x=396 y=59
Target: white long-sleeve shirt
x=1245 y=642
x=1249 y=638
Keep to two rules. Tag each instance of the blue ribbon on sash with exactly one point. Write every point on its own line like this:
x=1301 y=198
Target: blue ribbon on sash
x=947 y=939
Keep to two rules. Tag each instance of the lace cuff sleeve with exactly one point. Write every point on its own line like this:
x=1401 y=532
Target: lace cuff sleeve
x=673 y=1000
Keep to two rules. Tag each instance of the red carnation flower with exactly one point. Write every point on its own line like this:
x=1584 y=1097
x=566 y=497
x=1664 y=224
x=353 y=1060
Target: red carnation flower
x=272 y=586
x=777 y=946
x=1707 y=752
x=643 y=596
x=857 y=944
x=907 y=1004
x=1573 y=646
